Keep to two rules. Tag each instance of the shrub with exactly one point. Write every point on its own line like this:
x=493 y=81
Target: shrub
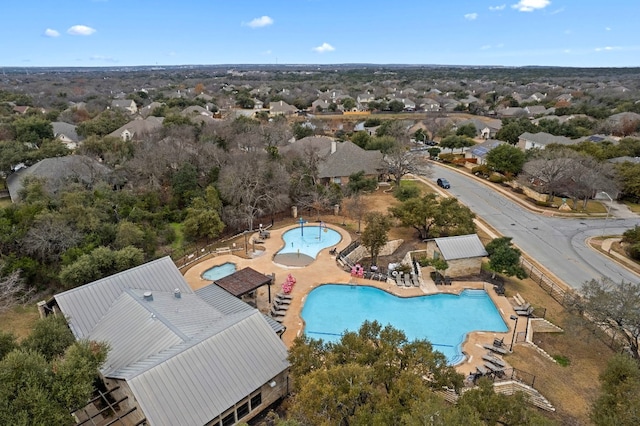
x=562 y=360
x=403 y=192
x=496 y=178
x=447 y=158
x=481 y=170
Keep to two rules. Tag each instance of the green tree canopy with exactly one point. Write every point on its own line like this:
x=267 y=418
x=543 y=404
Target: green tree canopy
x=506 y=159
x=202 y=219
x=357 y=183
x=504 y=258
x=47 y=375
x=372 y=376
x=100 y=263
x=619 y=400
x=456 y=142
x=468 y=130
x=434 y=216
x=33 y=130
x=374 y=237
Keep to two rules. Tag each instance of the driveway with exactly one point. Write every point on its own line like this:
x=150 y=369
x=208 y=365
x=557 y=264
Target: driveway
x=558 y=243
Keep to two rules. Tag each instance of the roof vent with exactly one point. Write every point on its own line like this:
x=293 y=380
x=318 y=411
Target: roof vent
x=177 y=293
x=147 y=295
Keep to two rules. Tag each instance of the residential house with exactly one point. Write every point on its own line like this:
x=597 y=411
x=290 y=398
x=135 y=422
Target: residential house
x=463 y=253
x=195 y=110
x=480 y=151
x=127 y=105
x=178 y=356
x=533 y=110
x=147 y=110
x=257 y=103
x=138 y=128
x=66 y=133
x=337 y=160
x=320 y=105
x=56 y=171
x=511 y=112
x=429 y=104
x=281 y=108
x=486 y=129
x=541 y=140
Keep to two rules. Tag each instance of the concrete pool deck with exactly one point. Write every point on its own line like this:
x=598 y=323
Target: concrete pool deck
x=324 y=269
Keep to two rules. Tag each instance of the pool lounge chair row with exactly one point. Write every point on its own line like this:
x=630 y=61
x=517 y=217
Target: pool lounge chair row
x=407 y=280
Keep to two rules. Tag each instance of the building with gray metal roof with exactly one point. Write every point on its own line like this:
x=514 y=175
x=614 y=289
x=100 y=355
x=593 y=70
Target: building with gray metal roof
x=463 y=253
x=179 y=356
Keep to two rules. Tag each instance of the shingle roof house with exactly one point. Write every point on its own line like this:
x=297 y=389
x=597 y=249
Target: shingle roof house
x=541 y=140
x=481 y=150
x=66 y=133
x=179 y=357
x=138 y=128
x=338 y=160
x=56 y=171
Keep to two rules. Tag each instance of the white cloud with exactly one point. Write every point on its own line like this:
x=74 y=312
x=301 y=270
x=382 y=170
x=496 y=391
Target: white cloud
x=497 y=8
x=555 y=12
x=81 y=30
x=607 y=29
x=607 y=48
x=486 y=47
x=267 y=52
x=51 y=33
x=471 y=16
x=260 y=22
x=324 y=47
x=531 y=5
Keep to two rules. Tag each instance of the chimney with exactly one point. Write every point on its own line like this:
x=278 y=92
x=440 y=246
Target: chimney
x=148 y=296
x=334 y=146
x=177 y=293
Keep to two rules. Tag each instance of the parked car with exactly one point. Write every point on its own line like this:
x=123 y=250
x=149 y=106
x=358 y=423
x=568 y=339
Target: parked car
x=443 y=183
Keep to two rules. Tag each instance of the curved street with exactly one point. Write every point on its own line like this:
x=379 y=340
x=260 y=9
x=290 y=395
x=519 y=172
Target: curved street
x=558 y=243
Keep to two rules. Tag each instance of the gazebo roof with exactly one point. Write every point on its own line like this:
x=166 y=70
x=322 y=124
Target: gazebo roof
x=243 y=281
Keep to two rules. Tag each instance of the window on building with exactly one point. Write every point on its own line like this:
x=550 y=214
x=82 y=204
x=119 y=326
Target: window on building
x=229 y=419
x=256 y=400
x=242 y=410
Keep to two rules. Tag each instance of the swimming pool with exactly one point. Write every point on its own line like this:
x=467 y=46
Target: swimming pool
x=443 y=319
x=220 y=271
x=302 y=249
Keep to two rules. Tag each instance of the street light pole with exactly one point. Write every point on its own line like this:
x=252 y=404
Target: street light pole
x=515 y=328
x=608 y=210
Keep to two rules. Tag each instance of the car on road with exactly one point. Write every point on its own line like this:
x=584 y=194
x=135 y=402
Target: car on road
x=443 y=183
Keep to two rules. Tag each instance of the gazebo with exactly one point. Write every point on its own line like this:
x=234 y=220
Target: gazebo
x=243 y=283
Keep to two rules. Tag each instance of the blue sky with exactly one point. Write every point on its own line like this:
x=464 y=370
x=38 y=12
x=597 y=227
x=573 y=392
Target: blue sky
x=447 y=32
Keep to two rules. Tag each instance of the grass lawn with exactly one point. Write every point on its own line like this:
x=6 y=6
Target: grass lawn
x=179 y=240
x=5 y=202
x=633 y=206
x=19 y=320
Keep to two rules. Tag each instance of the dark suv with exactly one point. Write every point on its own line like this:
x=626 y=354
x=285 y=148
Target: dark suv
x=443 y=183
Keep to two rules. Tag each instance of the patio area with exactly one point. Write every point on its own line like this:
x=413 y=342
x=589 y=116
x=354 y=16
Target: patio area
x=324 y=269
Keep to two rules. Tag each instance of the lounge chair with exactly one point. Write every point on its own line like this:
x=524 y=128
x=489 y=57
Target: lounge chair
x=276 y=313
x=495 y=349
x=284 y=296
x=493 y=360
x=447 y=280
x=407 y=280
x=282 y=301
x=482 y=370
x=282 y=307
x=498 y=342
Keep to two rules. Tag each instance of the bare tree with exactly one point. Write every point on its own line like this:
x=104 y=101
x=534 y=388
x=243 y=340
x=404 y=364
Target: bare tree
x=399 y=161
x=252 y=185
x=13 y=291
x=49 y=236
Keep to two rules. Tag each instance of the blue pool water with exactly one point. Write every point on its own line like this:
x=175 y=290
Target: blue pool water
x=219 y=271
x=443 y=319
x=314 y=240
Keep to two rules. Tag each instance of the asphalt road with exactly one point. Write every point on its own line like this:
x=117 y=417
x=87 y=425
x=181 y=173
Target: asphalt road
x=557 y=243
